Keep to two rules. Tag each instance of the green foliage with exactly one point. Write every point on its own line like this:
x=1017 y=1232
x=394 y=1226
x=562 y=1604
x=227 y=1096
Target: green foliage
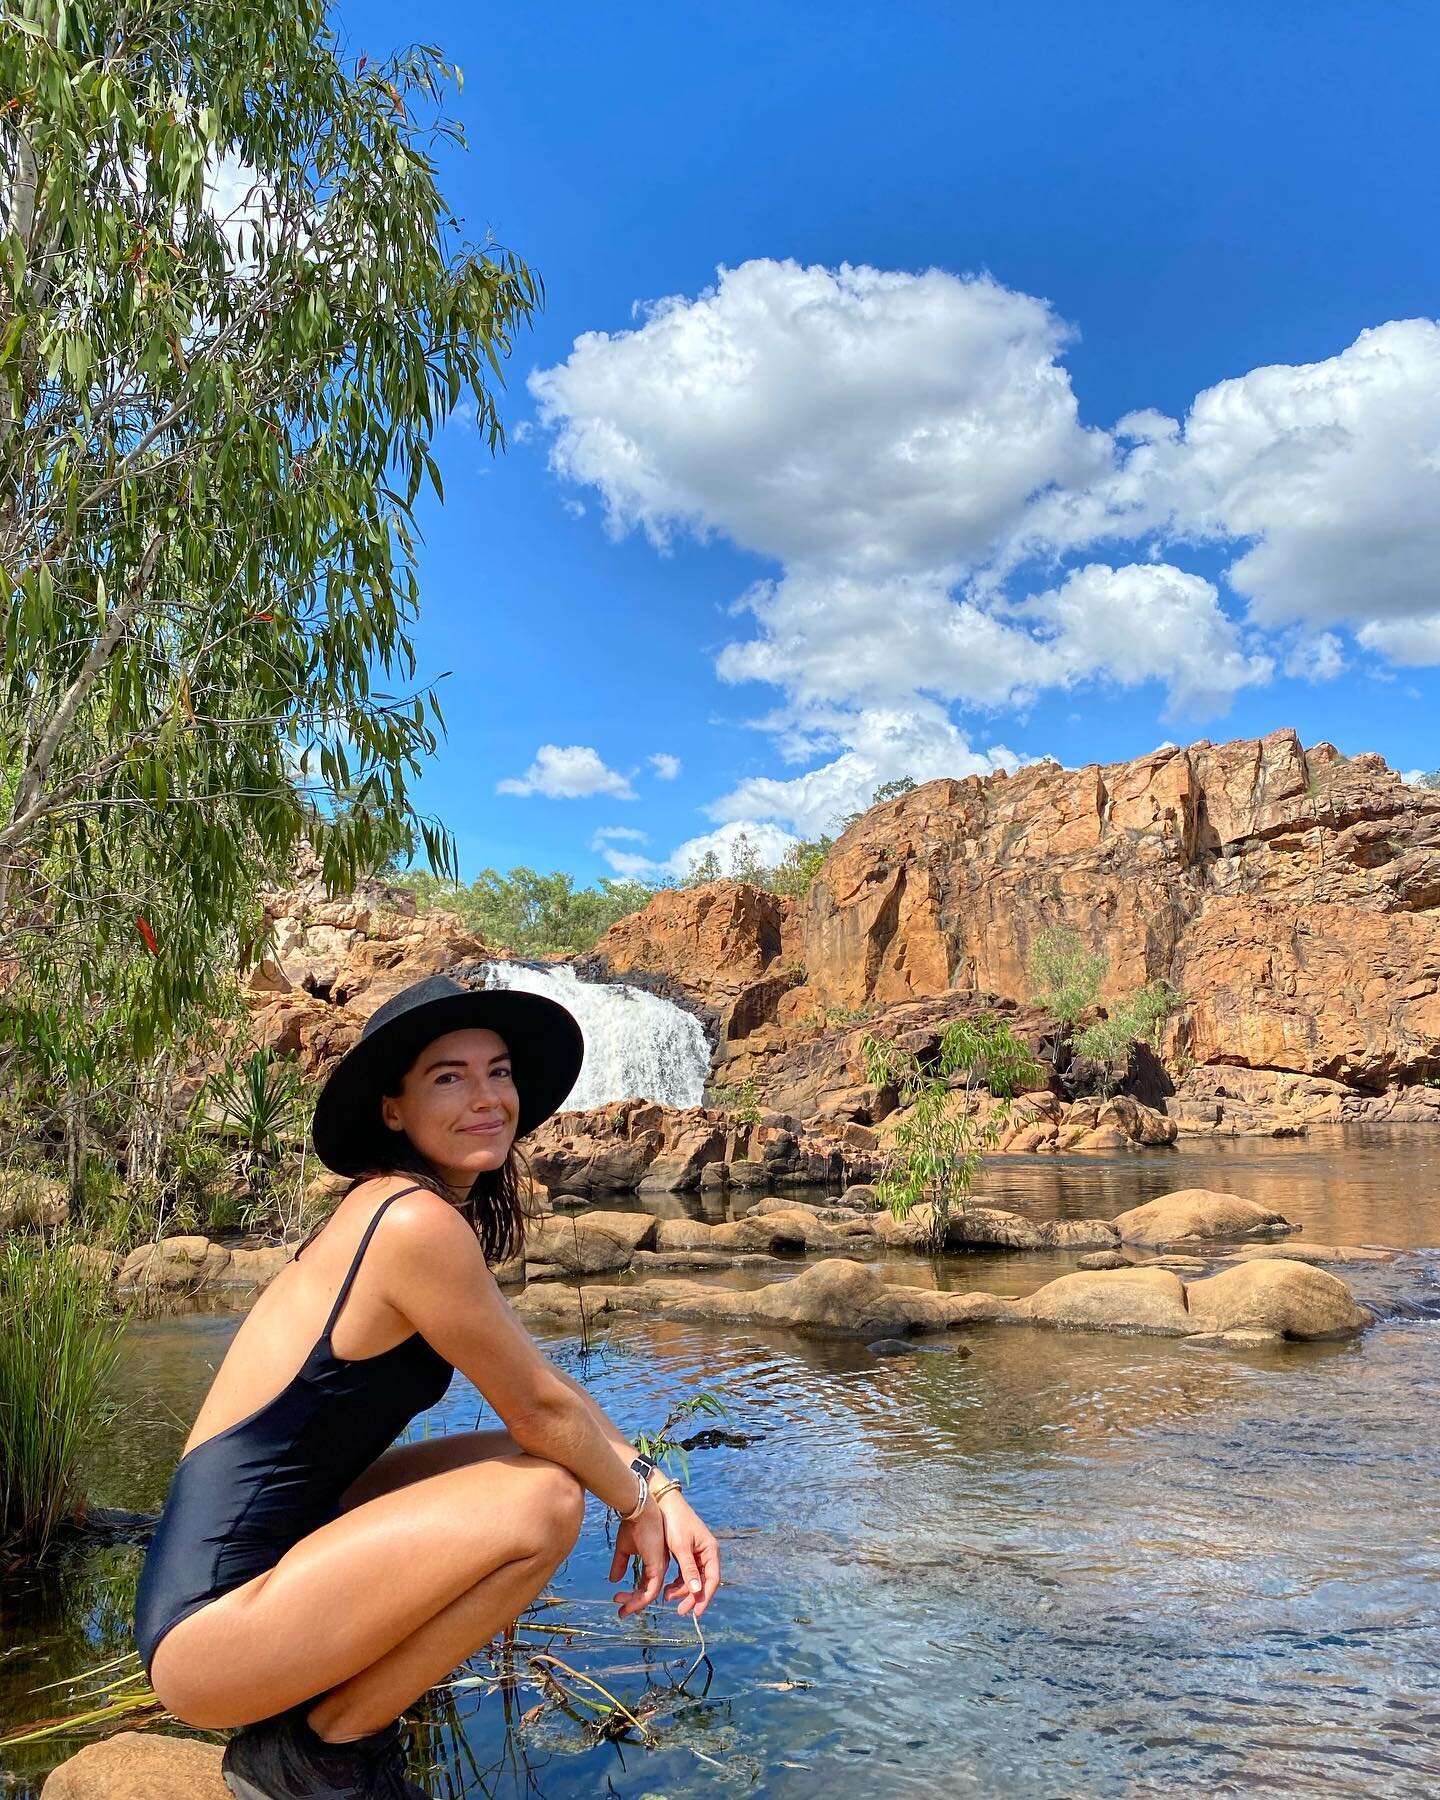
x=1137 y=1019
x=799 y=866
x=263 y=1102
x=661 y=1446
x=742 y=1101
x=218 y=420
x=848 y=1015
x=59 y=1339
x=937 y=1145
x=1064 y=974
x=532 y=914
x=1432 y=780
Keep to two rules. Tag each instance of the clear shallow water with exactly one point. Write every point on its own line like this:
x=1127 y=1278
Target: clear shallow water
x=1066 y=1565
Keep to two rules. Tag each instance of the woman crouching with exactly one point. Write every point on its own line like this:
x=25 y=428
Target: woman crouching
x=309 y=1578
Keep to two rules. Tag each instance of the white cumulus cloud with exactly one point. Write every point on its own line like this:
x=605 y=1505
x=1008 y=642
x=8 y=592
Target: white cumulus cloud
x=666 y=767
x=875 y=419
x=567 y=772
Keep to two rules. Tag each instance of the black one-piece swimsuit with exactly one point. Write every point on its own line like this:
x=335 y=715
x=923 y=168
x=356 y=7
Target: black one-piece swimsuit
x=242 y=1498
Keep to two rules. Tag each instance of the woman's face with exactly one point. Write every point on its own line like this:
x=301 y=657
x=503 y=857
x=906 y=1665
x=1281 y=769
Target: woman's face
x=458 y=1105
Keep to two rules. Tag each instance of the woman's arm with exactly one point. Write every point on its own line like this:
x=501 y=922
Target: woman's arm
x=434 y=1274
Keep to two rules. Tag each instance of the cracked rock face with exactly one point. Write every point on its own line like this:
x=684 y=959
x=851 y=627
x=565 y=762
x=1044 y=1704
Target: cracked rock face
x=1292 y=894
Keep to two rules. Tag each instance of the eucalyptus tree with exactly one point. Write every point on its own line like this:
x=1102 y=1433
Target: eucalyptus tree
x=234 y=308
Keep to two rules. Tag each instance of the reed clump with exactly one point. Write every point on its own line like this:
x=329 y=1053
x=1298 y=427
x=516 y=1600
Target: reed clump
x=59 y=1339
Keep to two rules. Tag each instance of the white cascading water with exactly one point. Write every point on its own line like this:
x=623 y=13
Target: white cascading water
x=637 y=1046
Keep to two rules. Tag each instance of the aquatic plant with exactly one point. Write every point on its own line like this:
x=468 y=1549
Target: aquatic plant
x=59 y=1338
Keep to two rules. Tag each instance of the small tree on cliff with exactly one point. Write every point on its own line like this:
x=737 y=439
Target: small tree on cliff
x=232 y=312
x=937 y=1143
x=1065 y=977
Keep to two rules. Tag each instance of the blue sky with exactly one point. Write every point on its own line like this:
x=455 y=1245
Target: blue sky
x=925 y=466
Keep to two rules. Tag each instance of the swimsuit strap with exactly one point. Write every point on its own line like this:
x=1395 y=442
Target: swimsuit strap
x=355 y=1265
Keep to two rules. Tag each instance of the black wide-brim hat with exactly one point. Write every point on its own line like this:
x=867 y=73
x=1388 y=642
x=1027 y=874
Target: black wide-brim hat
x=544 y=1040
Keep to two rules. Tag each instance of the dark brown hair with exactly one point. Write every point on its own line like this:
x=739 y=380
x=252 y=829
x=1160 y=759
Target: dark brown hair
x=494 y=1206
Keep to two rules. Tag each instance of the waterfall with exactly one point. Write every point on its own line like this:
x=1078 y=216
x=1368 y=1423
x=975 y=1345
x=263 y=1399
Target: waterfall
x=637 y=1046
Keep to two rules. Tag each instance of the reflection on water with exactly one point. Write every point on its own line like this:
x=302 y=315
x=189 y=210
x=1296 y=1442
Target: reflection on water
x=1065 y=1565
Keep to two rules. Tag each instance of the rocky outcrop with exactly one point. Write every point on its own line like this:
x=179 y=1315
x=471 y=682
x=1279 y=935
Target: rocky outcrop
x=333 y=962
x=135 y=1765
x=183 y=1265
x=1263 y=1302
x=728 y=950
x=639 y=1146
x=1224 y=1100
x=1292 y=895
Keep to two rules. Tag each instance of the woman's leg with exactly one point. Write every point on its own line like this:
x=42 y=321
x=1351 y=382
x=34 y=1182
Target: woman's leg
x=403 y=1463
x=347 y=1599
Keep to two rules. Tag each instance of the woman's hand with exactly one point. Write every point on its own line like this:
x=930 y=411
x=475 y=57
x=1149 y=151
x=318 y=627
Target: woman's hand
x=692 y=1543
x=666 y=1528
x=642 y=1538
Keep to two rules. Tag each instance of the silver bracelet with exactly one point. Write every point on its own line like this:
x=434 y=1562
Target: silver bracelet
x=643 y=1496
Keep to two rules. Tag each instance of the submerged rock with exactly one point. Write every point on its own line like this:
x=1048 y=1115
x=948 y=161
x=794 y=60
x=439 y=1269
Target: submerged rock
x=841 y=1298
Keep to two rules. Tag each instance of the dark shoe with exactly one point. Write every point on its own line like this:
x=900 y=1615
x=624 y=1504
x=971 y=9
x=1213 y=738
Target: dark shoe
x=283 y=1759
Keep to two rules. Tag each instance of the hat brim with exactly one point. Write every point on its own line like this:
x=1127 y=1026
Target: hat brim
x=544 y=1040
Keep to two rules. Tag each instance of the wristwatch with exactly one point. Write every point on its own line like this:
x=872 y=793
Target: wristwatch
x=643 y=1467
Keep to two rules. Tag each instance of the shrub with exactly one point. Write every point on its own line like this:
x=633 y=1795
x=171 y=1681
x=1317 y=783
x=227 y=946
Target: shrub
x=937 y=1146
x=1065 y=975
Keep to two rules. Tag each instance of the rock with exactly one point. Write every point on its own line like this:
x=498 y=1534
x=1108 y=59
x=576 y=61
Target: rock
x=1233 y=1340
x=748 y=1175
x=1141 y=1300
x=253 y=1268
x=1314 y=1253
x=1193 y=1214
x=908 y=1347
x=1105 y=1259
x=859 y=1193
x=104 y=1264
x=990 y=1225
x=589 y=1243
x=1103 y=1137
x=841 y=1298
x=726 y=948
x=1289 y=1298
x=682 y=1234
x=174 y=1265
x=794 y=1229
x=31 y=1201
x=135 y=1765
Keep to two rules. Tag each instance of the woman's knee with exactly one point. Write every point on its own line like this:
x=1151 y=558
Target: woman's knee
x=556 y=1505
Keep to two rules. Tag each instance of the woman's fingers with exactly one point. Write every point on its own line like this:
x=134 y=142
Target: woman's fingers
x=707 y=1555
x=688 y=1581
x=649 y=1546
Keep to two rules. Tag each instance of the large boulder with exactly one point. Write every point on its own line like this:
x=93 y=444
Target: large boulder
x=1288 y=1299
x=174 y=1265
x=1198 y=1215
x=135 y=1765
x=1142 y=1300
x=588 y=1243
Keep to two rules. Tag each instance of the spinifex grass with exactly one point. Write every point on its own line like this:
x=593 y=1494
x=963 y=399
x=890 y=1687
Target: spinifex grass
x=59 y=1338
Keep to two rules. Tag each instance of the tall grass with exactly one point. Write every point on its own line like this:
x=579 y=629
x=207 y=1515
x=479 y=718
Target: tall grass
x=59 y=1338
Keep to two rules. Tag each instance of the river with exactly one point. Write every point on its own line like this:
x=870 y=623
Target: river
x=1065 y=1565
